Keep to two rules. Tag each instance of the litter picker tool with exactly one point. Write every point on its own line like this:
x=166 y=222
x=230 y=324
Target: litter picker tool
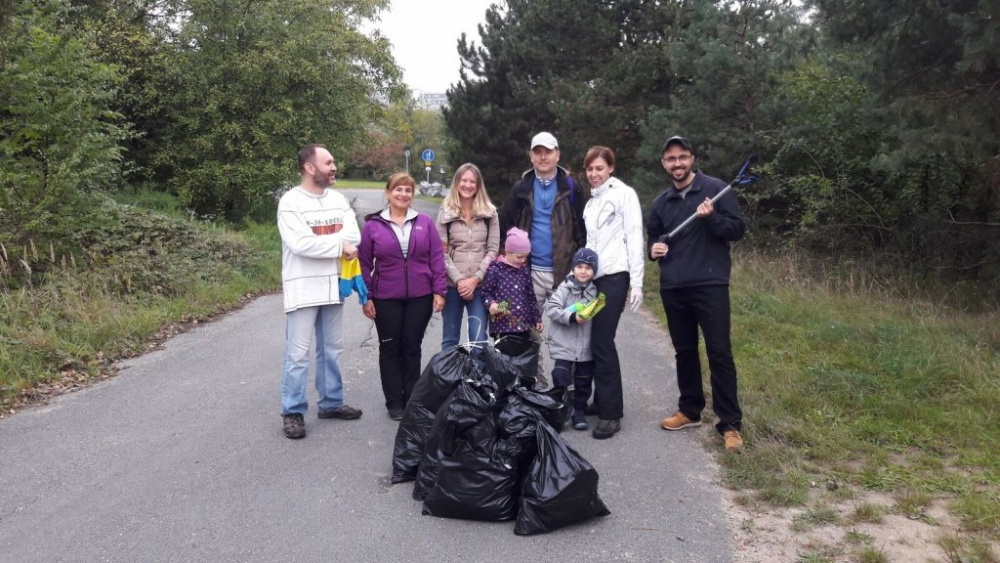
x=742 y=178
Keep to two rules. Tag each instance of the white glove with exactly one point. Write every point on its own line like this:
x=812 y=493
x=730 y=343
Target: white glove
x=635 y=299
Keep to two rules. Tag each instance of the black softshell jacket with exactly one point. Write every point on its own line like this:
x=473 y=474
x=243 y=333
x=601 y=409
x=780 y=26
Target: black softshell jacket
x=699 y=254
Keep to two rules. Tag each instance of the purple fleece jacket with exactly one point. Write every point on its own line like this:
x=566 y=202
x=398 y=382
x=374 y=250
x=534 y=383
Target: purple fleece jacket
x=506 y=284
x=390 y=276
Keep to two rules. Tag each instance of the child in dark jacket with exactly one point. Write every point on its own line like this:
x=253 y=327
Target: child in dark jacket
x=510 y=297
x=570 y=308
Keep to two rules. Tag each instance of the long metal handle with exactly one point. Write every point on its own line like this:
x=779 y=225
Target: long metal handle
x=741 y=178
x=687 y=221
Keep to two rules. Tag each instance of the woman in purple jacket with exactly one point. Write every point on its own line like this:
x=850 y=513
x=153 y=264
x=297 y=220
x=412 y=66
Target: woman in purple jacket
x=402 y=263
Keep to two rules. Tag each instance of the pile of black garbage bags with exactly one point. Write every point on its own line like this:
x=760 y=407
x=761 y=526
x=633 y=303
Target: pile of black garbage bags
x=481 y=444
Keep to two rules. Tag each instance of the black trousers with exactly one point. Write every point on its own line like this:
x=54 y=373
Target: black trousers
x=608 y=394
x=401 y=324
x=706 y=307
x=581 y=374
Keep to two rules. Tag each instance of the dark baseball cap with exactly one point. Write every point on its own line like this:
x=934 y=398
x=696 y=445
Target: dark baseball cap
x=677 y=140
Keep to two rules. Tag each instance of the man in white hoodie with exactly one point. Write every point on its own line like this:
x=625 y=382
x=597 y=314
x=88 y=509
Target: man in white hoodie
x=317 y=227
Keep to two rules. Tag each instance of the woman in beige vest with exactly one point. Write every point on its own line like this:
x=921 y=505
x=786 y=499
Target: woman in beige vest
x=470 y=234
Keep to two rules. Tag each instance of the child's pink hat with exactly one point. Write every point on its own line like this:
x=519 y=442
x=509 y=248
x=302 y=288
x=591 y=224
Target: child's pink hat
x=517 y=241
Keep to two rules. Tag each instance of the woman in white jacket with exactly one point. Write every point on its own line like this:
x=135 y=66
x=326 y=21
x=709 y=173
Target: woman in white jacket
x=614 y=230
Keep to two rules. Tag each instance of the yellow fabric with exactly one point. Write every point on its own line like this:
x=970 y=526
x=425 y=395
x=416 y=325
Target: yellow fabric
x=350 y=268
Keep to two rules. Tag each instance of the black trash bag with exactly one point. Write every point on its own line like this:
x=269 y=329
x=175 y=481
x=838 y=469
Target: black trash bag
x=443 y=423
x=476 y=473
x=515 y=426
x=512 y=360
x=520 y=409
x=554 y=406
x=428 y=471
x=444 y=371
x=559 y=416
x=519 y=414
x=558 y=489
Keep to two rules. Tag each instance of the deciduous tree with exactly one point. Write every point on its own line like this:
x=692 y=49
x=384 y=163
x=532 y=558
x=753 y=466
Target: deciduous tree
x=59 y=136
x=252 y=82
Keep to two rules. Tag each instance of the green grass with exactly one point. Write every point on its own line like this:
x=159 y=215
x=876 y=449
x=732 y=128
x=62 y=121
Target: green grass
x=377 y=185
x=362 y=184
x=869 y=513
x=855 y=537
x=913 y=504
x=871 y=555
x=844 y=382
x=819 y=552
x=959 y=549
x=815 y=518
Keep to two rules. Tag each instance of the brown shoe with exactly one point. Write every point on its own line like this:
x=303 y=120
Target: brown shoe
x=733 y=440
x=343 y=412
x=678 y=421
x=294 y=426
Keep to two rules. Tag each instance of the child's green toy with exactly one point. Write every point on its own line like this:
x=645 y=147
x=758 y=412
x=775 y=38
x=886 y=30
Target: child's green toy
x=588 y=310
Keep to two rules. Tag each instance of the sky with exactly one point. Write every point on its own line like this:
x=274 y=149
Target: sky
x=424 y=35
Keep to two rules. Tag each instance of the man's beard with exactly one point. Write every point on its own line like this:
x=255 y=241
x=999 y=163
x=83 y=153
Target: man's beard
x=684 y=178
x=322 y=180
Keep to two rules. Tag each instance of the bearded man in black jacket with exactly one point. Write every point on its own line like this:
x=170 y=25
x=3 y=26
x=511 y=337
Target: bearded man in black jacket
x=694 y=286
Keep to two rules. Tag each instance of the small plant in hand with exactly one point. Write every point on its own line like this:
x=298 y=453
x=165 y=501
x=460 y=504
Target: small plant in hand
x=503 y=308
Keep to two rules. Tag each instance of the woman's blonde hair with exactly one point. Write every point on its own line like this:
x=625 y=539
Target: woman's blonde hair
x=481 y=204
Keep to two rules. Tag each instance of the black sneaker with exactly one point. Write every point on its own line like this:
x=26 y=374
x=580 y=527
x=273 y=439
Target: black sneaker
x=607 y=428
x=295 y=426
x=396 y=414
x=343 y=412
x=580 y=422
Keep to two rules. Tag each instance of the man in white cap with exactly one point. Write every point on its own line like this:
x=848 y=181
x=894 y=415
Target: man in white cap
x=548 y=204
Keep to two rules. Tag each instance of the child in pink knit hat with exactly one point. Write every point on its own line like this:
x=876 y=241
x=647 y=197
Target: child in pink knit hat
x=510 y=297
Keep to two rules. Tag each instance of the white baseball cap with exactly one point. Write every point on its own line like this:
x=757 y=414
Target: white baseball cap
x=544 y=139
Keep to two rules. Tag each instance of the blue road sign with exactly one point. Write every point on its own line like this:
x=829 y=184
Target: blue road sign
x=428 y=155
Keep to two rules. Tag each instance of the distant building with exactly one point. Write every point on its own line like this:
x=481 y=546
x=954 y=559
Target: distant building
x=431 y=101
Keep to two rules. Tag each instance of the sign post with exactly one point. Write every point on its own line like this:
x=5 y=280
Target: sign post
x=406 y=153
x=428 y=156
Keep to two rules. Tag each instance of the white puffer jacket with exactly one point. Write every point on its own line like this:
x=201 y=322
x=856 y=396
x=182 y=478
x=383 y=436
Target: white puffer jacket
x=614 y=230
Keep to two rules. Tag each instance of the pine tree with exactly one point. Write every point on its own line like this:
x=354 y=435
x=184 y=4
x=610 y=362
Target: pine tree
x=585 y=71
x=725 y=59
x=932 y=71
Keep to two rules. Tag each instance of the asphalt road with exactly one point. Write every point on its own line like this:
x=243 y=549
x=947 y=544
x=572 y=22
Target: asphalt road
x=182 y=458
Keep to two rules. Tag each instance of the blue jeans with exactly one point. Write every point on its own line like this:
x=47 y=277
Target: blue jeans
x=327 y=323
x=454 y=306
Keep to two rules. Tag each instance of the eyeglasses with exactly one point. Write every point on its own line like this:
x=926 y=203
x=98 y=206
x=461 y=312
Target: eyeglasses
x=675 y=159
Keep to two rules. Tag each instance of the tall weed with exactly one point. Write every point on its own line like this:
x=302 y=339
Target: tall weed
x=109 y=278
x=848 y=377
